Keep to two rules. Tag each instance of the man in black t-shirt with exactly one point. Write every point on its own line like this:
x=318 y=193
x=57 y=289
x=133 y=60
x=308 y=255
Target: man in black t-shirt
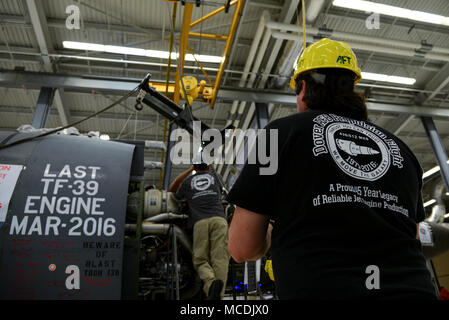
x=210 y=227
x=346 y=198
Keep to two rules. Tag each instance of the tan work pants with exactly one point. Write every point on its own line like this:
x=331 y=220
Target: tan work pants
x=210 y=251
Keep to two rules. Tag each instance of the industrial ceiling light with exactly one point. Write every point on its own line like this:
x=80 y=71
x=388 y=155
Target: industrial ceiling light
x=137 y=51
x=368 y=6
x=387 y=78
x=432 y=171
x=83 y=46
x=428 y=203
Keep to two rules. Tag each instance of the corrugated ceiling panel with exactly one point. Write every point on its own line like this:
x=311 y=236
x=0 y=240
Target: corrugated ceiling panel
x=17 y=36
x=12 y=7
x=12 y=97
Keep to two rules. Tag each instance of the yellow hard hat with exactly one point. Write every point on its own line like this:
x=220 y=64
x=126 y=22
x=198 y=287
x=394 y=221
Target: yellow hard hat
x=327 y=53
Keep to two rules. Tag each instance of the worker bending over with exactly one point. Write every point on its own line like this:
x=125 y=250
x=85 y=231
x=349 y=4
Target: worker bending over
x=210 y=227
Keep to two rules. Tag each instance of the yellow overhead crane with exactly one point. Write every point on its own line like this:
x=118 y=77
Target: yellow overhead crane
x=195 y=91
x=202 y=92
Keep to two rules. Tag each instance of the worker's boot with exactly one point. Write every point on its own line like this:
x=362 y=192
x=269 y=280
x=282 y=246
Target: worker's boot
x=215 y=290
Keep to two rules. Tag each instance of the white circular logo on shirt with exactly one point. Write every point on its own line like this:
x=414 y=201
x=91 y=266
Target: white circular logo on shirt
x=201 y=182
x=360 y=153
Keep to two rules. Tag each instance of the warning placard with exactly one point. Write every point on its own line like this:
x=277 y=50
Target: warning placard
x=8 y=179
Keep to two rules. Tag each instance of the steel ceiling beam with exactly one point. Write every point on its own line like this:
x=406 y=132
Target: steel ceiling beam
x=399 y=123
x=435 y=85
x=43 y=105
x=61 y=106
x=106 y=115
x=338 y=13
x=40 y=27
x=55 y=23
x=262 y=115
x=438 y=148
x=34 y=80
x=403 y=109
x=266 y=4
x=438 y=82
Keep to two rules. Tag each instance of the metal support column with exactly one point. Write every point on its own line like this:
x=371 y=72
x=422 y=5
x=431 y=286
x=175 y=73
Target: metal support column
x=262 y=116
x=168 y=163
x=438 y=148
x=43 y=105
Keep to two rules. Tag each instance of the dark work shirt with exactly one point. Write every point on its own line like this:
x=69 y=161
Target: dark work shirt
x=202 y=192
x=346 y=197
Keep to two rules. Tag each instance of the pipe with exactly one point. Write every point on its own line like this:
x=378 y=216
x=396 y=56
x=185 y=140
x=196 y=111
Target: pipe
x=254 y=70
x=287 y=14
x=208 y=36
x=293 y=49
x=166 y=216
x=439 y=209
x=363 y=42
x=277 y=46
x=240 y=106
x=236 y=39
x=153 y=165
x=249 y=61
x=313 y=10
x=155 y=145
x=162 y=229
x=286 y=63
x=254 y=46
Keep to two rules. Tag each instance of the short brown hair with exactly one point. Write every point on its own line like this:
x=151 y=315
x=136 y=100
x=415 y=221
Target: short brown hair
x=332 y=90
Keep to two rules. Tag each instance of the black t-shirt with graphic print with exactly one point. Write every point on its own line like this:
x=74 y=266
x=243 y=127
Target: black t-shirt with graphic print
x=346 y=198
x=202 y=192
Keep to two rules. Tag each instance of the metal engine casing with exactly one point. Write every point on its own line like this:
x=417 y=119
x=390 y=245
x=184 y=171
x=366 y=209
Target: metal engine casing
x=65 y=217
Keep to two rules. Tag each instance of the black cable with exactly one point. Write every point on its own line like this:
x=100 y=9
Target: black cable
x=71 y=124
